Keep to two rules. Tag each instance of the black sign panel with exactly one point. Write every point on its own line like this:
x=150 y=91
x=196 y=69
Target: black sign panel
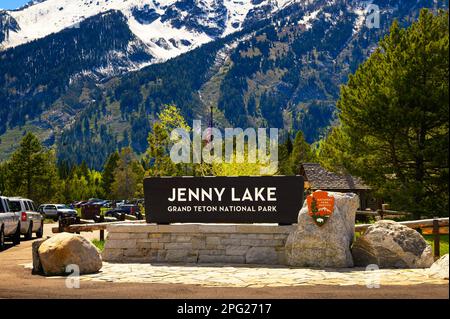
x=259 y=199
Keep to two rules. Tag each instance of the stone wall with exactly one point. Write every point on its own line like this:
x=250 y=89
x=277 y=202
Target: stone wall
x=197 y=243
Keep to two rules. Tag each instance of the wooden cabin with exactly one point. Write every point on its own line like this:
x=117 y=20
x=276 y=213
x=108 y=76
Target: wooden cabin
x=318 y=178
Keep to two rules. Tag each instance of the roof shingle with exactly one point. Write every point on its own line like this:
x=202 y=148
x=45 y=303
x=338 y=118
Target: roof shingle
x=319 y=178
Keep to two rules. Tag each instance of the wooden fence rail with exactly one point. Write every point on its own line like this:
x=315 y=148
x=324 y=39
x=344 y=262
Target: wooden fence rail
x=382 y=213
x=416 y=224
x=89 y=227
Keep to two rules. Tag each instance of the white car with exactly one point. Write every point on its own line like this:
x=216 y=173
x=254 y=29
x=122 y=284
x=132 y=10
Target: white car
x=57 y=211
x=30 y=220
x=9 y=224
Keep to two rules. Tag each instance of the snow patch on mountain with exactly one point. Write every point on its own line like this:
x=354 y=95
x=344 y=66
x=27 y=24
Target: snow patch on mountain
x=306 y=20
x=361 y=11
x=167 y=27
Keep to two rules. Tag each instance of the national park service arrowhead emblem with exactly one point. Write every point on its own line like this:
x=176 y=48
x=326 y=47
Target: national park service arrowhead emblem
x=320 y=206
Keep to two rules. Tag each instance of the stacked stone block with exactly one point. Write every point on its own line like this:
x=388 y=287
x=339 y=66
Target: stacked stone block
x=197 y=243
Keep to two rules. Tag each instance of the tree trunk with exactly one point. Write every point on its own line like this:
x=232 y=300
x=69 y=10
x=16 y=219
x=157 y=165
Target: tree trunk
x=420 y=169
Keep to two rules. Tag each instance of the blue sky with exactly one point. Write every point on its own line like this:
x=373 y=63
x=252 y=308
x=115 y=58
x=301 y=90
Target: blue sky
x=12 y=4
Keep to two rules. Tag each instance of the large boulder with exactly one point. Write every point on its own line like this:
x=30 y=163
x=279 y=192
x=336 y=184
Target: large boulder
x=65 y=249
x=389 y=244
x=37 y=267
x=440 y=268
x=328 y=245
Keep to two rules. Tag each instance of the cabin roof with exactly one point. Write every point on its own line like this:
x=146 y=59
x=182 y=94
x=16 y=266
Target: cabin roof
x=320 y=178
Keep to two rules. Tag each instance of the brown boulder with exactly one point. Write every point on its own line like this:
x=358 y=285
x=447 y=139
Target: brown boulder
x=65 y=249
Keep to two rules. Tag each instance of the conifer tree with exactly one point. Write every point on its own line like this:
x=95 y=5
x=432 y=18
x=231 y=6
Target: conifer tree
x=108 y=173
x=301 y=153
x=31 y=171
x=394 y=118
x=128 y=176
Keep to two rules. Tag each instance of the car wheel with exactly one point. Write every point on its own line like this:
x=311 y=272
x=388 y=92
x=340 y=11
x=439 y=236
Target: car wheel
x=2 y=239
x=40 y=231
x=16 y=238
x=29 y=233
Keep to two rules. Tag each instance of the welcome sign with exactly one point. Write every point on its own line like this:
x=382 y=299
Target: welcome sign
x=259 y=199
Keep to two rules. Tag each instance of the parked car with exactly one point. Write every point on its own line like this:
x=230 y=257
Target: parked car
x=9 y=224
x=108 y=204
x=79 y=204
x=120 y=203
x=102 y=203
x=57 y=211
x=127 y=209
x=30 y=220
x=95 y=201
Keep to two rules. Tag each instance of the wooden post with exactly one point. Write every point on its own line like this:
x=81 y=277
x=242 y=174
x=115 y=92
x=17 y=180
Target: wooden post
x=437 y=251
x=384 y=207
x=102 y=235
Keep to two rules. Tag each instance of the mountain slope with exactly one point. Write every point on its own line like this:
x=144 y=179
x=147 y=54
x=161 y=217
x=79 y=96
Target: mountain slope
x=283 y=71
x=168 y=27
x=101 y=45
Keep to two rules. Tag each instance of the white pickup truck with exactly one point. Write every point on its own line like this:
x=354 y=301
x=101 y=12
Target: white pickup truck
x=9 y=224
x=30 y=220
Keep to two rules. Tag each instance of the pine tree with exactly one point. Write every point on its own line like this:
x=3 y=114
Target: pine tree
x=108 y=173
x=288 y=145
x=31 y=172
x=301 y=153
x=2 y=178
x=126 y=139
x=128 y=176
x=292 y=155
x=284 y=153
x=84 y=169
x=394 y=118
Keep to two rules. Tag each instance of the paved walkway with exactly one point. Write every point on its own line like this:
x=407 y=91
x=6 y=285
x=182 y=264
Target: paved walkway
x=155 y=282
x=256 y=277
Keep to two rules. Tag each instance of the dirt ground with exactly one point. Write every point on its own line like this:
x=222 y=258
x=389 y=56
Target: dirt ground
x=18 y=282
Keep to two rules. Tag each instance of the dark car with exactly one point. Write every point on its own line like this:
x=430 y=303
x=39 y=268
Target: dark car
x=79 y=204
x=126 y=209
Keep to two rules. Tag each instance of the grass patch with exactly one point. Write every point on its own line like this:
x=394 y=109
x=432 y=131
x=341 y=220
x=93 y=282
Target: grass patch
x=443 y=246
x=100 y=244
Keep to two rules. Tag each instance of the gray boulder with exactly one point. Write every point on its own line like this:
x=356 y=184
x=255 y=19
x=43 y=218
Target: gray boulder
x=37 y=267
x=328 y=245
x=440 y=268
x=389 y=244
x=64 y=249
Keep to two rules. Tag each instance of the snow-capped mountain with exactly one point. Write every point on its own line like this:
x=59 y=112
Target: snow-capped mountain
x=65 y=66
x=167 y=27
